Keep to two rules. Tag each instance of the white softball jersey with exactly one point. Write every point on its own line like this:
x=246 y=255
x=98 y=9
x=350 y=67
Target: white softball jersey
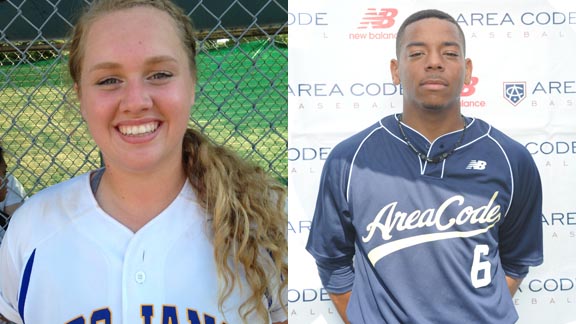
x=64 y=260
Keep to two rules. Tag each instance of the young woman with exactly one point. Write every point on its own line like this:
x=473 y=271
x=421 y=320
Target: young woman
x=173 y=229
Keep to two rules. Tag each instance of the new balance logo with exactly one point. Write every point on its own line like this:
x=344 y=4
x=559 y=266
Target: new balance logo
x=476 y=165
x=378 y=19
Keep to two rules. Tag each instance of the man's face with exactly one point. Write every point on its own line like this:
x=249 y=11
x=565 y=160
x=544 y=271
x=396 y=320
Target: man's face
x=431 y=65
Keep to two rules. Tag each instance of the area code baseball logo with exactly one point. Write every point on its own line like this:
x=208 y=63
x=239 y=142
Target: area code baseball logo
x=514 y=92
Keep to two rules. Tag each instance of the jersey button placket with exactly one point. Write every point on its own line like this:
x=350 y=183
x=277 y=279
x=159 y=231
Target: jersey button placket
x=140 y=277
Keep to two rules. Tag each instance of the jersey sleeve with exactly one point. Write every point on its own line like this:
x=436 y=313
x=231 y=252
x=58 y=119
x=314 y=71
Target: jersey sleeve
x=331 y=239
x=9 y=279
x=521 y=238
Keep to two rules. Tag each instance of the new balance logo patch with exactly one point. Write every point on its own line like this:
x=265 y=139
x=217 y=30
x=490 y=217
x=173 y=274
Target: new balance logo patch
x=379 y=19
x=476 y=165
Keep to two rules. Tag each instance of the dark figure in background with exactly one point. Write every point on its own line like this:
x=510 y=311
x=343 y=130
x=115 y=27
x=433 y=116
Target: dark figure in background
x=12 y=194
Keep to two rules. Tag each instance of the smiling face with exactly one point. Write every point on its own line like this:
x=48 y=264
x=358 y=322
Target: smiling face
x=431 y=65
x=136 y=89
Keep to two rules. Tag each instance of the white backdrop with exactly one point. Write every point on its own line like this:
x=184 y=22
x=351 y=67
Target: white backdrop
x=524 y=57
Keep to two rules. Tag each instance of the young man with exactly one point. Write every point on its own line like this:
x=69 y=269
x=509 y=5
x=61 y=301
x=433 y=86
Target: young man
x=427 y=216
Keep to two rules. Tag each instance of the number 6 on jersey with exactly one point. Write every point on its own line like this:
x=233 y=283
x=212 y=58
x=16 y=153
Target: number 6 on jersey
x=480 y=272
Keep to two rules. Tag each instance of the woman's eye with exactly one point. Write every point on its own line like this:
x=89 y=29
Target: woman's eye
x=108 y=81
x=161 y=75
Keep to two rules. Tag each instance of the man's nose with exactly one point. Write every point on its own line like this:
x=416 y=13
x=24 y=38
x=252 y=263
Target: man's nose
x=434 y=61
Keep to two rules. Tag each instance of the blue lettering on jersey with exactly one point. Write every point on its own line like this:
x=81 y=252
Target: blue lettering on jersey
x=193 y=318
x=147 y=312
x=77 y=320
x=169 y=316
x=101 y=316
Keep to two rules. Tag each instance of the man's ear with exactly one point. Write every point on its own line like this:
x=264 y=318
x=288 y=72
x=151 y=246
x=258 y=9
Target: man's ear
x=468 y=75
x=394 y=71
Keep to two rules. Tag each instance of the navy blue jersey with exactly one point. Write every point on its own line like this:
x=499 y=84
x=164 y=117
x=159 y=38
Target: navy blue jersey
x=420 y=242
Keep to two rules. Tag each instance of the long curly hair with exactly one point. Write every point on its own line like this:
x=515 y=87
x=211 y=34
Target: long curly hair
x=247 y=205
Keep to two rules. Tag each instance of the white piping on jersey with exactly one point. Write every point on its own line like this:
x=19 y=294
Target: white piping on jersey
x=354 y=158
x=431 y=143
x=424 y=164
x=476 y=139
x=487 y=134
x=511 y=174
x=505 y=156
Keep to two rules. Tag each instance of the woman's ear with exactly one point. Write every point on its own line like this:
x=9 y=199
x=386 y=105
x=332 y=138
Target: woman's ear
x=77 y=90
x=78 y=96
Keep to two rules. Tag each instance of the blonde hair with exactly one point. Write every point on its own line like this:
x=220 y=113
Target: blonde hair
x=99 y=8
x=247 y=206
x=249 y=219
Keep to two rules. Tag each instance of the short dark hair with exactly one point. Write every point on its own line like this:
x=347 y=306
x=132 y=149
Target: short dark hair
x=424 y=14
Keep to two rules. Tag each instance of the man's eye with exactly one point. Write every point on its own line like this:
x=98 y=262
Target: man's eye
x=452 y=54
x=415 y=54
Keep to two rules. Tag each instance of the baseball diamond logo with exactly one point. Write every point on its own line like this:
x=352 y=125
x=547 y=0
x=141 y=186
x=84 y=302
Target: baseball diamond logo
x=514 y=92
x=378 y=19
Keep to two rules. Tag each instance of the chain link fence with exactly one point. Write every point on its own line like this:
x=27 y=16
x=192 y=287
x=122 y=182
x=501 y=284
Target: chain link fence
x=241 y=99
